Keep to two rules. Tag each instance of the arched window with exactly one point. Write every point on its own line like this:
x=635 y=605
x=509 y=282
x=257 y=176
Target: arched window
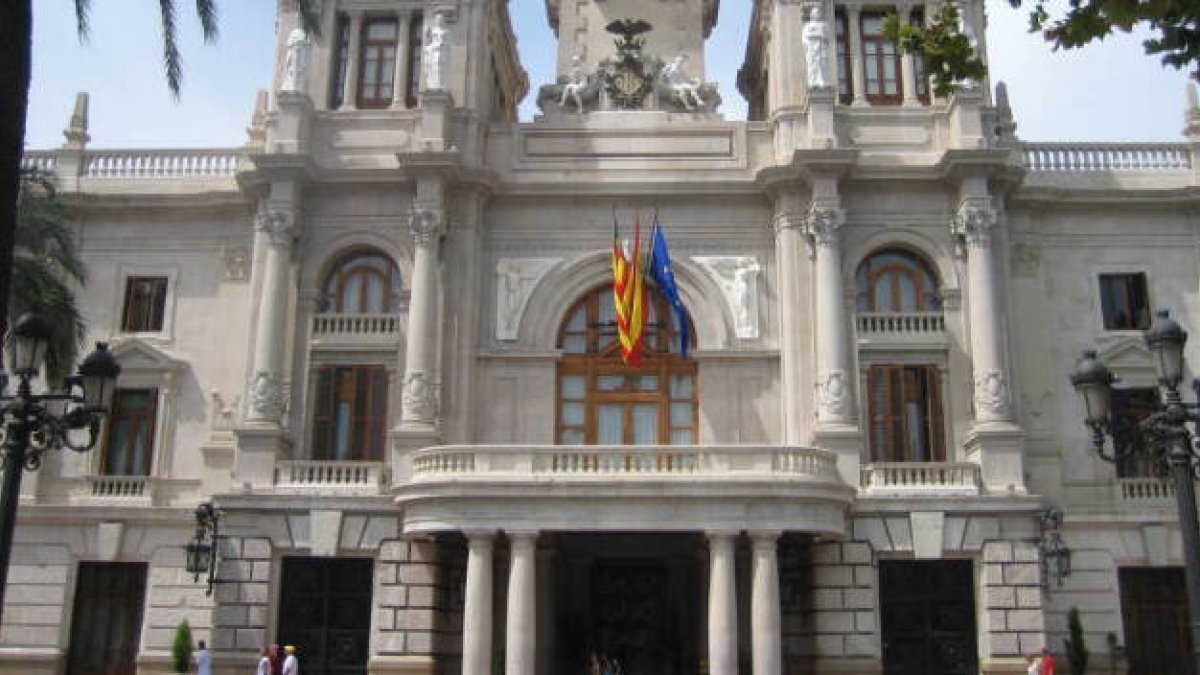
x=603 y=401
x=896 y=280
x=365 y=282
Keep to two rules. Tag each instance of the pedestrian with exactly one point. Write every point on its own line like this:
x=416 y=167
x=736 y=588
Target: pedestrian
x=276 y=660
x=203 y=660
x=1035 y=664
x=291 y=666
x=264 y=662
x=1047 y=662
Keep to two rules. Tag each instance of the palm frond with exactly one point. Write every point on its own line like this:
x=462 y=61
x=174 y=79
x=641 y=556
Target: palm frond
x=42 y=231
x=82 y=8
x=35 y=288
x=207 y=11
x=171 y=58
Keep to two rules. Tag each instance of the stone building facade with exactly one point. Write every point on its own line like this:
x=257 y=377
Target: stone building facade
x=379 y=338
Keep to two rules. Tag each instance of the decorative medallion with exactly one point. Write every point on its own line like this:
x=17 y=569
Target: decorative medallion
x=628 y=80
x=991 y=395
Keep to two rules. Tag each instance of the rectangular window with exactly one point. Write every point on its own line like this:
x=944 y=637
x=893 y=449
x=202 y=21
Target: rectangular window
x=881 y=62
x=905 y=414
x=350 y=417
x=917 y=18
x=416 y=31
x=377 y=63
x=341 y=63
x=842 y=37
x=129 y=450
x=1129 y=408
x=1124 y=301
x=145 y=304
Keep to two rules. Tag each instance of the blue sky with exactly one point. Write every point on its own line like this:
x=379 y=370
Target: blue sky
x=1106 y=92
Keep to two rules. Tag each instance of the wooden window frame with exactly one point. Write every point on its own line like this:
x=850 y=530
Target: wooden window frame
x=373 y=52
x=1134 y=302
x=354 y=266
x=368 y=412
x=909 y=265
x=880 y=57
x=145 y=422
x=901 y=386
x=139 y=315
x=602 y=357
x=341 y=61
x=416 y=43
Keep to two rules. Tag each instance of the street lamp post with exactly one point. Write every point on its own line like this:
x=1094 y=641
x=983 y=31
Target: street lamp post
x=1166 y=436
x=30 y=427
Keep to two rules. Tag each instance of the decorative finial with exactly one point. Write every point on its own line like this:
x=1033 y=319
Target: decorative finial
x=76 y=132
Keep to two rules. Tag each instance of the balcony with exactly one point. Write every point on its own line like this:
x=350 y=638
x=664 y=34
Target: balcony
x=114 y=491
x=921 y=479
x=310 y=477
x=623 y=488
x=356 y=331
x=901 y=329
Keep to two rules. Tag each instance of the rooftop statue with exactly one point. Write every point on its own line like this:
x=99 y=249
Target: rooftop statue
x=816 y=49
x=433 y=54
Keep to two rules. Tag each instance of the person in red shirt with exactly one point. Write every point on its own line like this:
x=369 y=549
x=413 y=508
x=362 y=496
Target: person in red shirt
x=1047 y=662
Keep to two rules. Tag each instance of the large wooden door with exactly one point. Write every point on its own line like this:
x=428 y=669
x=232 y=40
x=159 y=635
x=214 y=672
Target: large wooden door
x=106 y=626
x=928 y=617
x=1155 y=611
x=325 y=611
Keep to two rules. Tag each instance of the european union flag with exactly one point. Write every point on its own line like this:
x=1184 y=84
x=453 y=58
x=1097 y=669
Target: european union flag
x=659 y=271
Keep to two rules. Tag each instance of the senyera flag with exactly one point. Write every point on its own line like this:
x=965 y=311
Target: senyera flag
x=629 y=295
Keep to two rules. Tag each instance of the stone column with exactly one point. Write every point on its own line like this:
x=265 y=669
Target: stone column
x=419 y=389
x=353 y=55
x=908 y=67
x=477 y=609
x=974 y=223
x=857 y=76
x=722 y=605
x=400 y=74
x=275 y=233
x=521 y=639
x=834 y=382
x=789 y=242
x=766 y=643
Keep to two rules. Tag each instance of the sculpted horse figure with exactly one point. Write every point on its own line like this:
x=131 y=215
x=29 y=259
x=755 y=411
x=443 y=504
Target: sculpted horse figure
x=683 y=88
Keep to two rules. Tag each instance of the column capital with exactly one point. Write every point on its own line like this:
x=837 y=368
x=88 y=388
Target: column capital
x=426 y=223
x=823 y=223
x=722 y=534
x=765 y=539
x=480 y=537
x=278 y=222
x=787 y=221
x=522 y=537
x=974 y=220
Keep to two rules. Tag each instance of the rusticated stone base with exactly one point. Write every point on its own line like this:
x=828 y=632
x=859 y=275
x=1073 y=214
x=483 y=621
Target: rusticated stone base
x=401 y=665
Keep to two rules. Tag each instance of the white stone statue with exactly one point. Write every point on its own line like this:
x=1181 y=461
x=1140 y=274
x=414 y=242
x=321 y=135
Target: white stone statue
x=295 y=64
x=576 y=82
x=433 y=56
x=816 y=48
x=683 y=88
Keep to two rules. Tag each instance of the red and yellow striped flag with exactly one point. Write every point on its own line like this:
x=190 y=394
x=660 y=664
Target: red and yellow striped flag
x=629 y=295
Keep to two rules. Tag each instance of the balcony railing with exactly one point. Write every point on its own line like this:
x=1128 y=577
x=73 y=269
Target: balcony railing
x=330 y=477
x=43 y=160
x=921 y=478
x=1083 y=157
x=203 y=163
x=356 y=329
x=901 y=324
x=663 y=462
x=114 y=490
x=1146 y=491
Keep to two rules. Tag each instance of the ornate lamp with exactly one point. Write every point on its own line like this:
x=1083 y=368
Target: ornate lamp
x=98 y=377
x=200 y=554
x=1165 y=338
x=29 y=342
x=1056 y=557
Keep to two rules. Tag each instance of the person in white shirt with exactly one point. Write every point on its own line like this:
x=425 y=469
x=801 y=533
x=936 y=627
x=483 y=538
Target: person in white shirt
x=264 y=662
x=291 y=666
x=203 y=660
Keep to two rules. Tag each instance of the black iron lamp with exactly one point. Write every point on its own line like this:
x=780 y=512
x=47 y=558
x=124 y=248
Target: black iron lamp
x=1164 y=435
x=35 y=423
x=200 y=554
x=1056 y=557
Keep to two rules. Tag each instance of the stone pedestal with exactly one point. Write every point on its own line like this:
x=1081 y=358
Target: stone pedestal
x=822 y=133
x=258 y=448
x=966 y=121
x=289 y=132
x=435 y=119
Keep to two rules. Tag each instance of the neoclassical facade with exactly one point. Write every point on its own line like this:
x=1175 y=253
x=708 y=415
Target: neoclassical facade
x=379 y=338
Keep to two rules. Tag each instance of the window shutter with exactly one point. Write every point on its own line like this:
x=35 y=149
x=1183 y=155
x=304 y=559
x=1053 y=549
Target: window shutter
x=934 y=416
x=323 y=413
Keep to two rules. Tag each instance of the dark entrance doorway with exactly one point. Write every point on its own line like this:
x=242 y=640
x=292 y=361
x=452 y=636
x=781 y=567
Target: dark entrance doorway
x=633 y=598
x=325 y=611
x=1155 y=612
x=106 y=626
x=928 y=617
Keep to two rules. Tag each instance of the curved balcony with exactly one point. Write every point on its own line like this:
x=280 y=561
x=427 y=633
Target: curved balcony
x=624 y=488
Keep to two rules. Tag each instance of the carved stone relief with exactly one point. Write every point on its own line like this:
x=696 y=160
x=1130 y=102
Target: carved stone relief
x=991 y=395
x=1026 y=259
x=236 y=262
x=515 y=280
x=833 y=395
x=266 y=396
x=737 y=277
x=418 y=398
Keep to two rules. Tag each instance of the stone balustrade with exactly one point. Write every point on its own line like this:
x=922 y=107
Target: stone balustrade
x=113 y=490
x=901 y=324
x=332 y=477
x=42 y=160
x=348 y=330
x=168 y=164
x=921 y=478
x=1156 y=492
x=661 y=462
x=1087 y=157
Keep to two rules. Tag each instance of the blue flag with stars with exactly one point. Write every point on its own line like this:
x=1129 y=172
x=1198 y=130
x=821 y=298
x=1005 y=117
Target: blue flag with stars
x=659 y=271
